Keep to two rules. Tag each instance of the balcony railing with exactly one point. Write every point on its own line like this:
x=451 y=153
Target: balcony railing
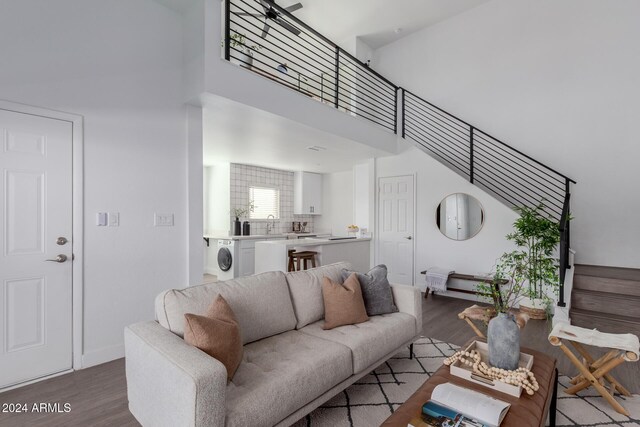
x=507 y=173
x=265 y=38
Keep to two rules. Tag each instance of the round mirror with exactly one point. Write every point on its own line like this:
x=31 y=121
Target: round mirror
x=459 y=216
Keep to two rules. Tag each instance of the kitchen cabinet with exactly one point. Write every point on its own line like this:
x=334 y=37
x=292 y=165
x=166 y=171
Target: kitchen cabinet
x=274 y=255
x=307 y=193
x=247 y=255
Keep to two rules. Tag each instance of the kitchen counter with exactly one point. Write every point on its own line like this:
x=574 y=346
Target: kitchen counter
x=259 y=236
x=272 y=255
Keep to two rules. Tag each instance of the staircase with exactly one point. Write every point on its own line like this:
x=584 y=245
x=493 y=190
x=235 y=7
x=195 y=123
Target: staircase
x=267 y=39
x=606 y=298
x=510 y=175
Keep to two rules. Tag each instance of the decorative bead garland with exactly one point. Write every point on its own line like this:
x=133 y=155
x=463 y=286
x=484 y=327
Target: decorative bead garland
x=522 y=377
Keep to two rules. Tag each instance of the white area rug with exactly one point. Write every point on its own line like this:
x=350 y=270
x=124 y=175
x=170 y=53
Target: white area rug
x=372 y=399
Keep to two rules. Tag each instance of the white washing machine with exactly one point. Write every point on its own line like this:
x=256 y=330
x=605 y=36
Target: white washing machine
x=227 y=259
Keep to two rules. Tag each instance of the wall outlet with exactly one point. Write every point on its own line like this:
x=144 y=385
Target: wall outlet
x=163 y=220
x=114 y=219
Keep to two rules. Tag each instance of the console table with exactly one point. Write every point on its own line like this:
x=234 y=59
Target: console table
x=484 y=279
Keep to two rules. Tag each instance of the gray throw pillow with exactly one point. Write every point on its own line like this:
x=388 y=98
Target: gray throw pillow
x=376 y=290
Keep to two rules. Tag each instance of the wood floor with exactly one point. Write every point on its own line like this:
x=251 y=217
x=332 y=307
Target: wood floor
x=98 y=395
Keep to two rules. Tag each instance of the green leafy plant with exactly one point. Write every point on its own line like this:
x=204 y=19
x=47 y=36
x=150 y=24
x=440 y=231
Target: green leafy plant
x=242 y=211
x=504 y=295
x=537 y=237
x=239 y=40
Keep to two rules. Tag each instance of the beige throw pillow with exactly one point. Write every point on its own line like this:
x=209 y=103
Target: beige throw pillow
x=343 y=304
x=217 y=334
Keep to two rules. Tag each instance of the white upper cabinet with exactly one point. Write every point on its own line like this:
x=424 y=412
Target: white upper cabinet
x=307 y=193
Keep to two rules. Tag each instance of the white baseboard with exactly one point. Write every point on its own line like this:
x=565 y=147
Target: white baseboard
x=33 y=381
x=103 y=355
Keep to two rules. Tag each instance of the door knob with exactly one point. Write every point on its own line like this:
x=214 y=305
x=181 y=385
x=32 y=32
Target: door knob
x=61 y=241
x=59 y=258
x=408 y=237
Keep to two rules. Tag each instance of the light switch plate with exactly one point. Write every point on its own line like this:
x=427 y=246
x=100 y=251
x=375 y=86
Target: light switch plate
x=114 y=219
x=163 y=220
x=101 y=219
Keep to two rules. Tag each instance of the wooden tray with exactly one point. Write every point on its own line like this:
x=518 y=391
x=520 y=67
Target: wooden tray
x=463 y=371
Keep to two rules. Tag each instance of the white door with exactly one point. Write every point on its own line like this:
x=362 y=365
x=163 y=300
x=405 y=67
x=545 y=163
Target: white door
x=395 y=225
x=35 y=221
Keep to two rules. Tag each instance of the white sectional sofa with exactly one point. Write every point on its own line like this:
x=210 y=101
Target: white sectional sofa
x=290 y=364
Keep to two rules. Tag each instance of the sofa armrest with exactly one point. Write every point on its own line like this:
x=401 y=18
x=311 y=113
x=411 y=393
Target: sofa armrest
x=169 y=382
x=408 y=299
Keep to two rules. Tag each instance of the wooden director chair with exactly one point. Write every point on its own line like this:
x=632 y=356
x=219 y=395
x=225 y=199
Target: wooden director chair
x=484 y=314
x=594 y=372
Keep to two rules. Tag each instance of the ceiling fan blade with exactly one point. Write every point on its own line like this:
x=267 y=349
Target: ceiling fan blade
x=255 y=15
x=266 y=6
x=293 y=7
x=265 y=30
x=289 y=27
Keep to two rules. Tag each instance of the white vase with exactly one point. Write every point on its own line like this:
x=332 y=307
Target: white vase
x=245 y=58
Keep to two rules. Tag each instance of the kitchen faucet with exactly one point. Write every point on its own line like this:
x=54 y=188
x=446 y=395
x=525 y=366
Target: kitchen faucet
x=271 y=226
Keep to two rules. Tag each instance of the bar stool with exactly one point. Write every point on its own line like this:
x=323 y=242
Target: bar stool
x=296 y=258
x=291 y=266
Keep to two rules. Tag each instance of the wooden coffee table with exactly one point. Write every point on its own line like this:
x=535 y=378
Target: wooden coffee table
x=526 y=411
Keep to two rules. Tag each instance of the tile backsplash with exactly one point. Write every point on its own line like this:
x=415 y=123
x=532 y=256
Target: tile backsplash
x=243 y=176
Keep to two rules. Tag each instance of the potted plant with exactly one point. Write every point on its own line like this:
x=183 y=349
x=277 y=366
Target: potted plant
x=503 y=333
x=237 y=225
x=239 y=212
x=537 y=237
x=245 y=56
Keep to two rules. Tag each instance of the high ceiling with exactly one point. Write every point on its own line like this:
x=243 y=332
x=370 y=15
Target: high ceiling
x=375 y=21
x=237 y=133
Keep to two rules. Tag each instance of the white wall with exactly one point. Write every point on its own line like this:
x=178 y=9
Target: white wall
x=195 y=190
x=337 y=203
x=118 y=64
x=364 y=195
x=556 y=79
x=434 y=182
x=217 y=203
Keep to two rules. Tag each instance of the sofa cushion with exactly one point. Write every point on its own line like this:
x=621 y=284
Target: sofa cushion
x=343 y=304
x=217 y=334
x=376 y=290
x=261 y=304
x=369 y=341
x=280 y=374
x=306 y=291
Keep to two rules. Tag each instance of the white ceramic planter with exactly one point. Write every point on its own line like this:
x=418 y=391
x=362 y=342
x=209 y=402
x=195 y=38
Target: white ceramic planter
x=245 y=58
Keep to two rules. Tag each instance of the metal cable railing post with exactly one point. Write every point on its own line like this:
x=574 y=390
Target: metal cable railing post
x=471 y=154
x=337 y=92
x=567 y=221
x=395 y=113
x=227 y=30
x=403 y=112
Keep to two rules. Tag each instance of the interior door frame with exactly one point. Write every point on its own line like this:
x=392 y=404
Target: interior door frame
x=415 y=220
x=77 y=218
